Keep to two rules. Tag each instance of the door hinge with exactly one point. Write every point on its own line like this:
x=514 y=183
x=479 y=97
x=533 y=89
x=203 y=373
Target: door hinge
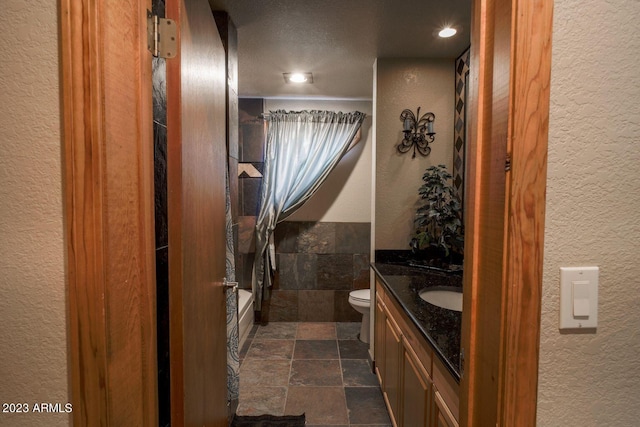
x=162 y=39
x=507 y=163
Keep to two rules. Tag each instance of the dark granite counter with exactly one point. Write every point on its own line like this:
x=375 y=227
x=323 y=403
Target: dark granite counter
x=439 y=326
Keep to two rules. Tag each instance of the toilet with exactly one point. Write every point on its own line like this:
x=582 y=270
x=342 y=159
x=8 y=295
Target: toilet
x=360 y=300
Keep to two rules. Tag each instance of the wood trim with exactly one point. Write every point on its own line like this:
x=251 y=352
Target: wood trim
x=511 y=44
x=107 y=143
x=529 y=126
x=82 y=110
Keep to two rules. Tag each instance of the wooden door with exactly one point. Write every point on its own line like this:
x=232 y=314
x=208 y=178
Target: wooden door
x=196 y=153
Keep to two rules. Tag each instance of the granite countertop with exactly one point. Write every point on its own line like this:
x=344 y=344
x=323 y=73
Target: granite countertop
x=439 y=326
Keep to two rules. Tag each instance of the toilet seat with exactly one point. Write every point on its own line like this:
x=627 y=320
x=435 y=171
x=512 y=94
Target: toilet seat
x=361 y=295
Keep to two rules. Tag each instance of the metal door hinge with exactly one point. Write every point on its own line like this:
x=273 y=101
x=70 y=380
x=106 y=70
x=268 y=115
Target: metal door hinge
x=162 y=39
x=507 y=163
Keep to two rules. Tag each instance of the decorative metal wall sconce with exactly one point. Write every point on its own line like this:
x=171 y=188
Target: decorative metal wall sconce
x=418 y=133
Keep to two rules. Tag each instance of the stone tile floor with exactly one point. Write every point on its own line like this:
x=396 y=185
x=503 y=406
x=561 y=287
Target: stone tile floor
x=321 y=369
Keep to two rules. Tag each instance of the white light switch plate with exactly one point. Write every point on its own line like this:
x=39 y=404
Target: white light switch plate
x=578 y=297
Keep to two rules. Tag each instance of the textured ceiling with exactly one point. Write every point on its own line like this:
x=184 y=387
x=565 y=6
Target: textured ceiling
x=337 y=40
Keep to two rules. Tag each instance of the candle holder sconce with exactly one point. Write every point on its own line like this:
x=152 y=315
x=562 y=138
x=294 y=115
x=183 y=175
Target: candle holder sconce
x=418 y=133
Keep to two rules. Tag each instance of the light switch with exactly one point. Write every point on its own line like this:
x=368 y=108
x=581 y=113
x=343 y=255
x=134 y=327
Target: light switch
x=578 y=297
x=581 y=298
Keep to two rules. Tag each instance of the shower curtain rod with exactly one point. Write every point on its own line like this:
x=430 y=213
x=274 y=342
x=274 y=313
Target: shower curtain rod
x=265 y=116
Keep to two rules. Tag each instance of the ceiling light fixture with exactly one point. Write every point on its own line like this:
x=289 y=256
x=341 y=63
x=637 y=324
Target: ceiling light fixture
x=447 y=32
x=298 y=78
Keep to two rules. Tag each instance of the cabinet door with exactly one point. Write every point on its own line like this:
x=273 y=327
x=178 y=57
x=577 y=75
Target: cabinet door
x=392 y=367
x=379 y=341
x=443 y=416
x=416 y=393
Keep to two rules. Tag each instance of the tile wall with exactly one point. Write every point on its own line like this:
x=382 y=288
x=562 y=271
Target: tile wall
x=318 y=264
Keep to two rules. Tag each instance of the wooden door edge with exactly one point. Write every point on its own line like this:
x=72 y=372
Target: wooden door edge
x=481 y=58
x=173 y=10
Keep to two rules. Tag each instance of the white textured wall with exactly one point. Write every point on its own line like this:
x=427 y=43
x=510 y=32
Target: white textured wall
x=401 y=84
x=346 y=194
x=593 y=214
x=33 y=344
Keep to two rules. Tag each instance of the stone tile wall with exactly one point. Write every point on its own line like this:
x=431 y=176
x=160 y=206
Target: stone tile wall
x=319 y=263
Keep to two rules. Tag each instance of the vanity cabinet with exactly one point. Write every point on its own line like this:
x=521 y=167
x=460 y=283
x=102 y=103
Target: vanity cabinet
x=417 y=388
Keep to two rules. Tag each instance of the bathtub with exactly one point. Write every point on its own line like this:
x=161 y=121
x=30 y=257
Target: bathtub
x=245 y=315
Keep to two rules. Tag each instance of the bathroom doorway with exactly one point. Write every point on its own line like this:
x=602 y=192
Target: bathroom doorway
x=529 y=149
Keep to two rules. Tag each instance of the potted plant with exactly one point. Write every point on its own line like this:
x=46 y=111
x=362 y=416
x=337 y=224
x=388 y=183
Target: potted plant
x=438 y=240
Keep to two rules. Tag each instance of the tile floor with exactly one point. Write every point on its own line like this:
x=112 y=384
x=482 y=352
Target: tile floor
x=321 y=369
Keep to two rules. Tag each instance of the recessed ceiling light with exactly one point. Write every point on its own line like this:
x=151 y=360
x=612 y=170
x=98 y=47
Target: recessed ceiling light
x=447 y=32
x=298 y=77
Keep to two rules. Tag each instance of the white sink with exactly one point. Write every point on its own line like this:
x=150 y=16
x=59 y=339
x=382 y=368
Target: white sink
x=449 y=298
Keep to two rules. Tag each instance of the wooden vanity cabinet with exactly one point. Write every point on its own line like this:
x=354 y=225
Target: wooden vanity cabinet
x=406 y=369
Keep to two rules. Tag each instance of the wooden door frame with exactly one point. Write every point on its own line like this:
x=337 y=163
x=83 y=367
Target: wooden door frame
x=523 y=28
x=111 y=327
x=109 y=212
